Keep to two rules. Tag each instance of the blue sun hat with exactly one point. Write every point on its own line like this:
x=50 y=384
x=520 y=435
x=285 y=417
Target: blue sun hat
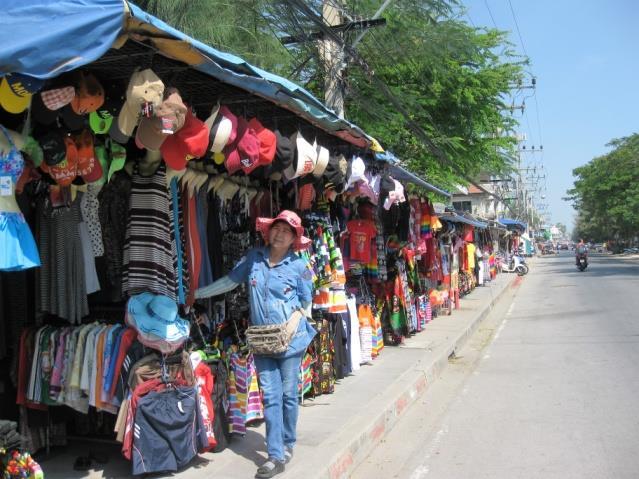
x=155 y=318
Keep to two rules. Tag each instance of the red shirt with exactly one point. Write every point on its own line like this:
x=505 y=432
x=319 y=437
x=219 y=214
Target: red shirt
x=361 y=234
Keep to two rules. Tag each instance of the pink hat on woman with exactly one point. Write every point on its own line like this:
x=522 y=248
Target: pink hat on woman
x=263 y=225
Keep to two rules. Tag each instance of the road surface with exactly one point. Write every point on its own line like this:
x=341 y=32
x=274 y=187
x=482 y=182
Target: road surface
x=547 y=388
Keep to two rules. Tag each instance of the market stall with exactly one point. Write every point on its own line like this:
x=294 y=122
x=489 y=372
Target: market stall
x=135 y=163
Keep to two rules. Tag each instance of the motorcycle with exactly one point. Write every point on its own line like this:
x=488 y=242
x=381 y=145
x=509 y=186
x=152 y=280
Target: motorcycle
x=514 y=266
x=582 y=262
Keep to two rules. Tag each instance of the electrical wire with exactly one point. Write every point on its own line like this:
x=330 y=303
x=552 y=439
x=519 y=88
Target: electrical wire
x=491 y=14
x=521 y=40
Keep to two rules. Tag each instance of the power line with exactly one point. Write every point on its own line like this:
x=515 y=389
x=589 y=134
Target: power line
x=490 y=13
x=521 y=40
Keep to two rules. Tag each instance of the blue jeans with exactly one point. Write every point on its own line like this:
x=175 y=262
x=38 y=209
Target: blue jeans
x=279 y=379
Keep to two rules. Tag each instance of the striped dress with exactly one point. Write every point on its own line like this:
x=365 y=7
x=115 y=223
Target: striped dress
x=149 y=247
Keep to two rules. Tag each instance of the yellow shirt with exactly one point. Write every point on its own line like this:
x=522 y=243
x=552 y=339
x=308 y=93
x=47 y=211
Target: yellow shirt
x=470 y=251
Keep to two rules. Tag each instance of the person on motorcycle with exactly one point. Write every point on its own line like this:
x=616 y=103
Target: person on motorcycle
x=581 y=251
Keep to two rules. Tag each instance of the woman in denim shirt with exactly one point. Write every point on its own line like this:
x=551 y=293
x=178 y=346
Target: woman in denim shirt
x=279 y=282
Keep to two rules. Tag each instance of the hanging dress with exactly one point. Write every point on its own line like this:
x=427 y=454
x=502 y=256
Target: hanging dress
x=149 y=247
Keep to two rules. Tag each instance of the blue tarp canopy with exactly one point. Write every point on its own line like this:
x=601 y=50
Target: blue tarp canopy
x=454 y=217
x=44 y=38
x=400 y=173
x=514 y=223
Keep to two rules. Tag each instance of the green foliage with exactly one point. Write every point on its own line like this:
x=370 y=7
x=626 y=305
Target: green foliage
x=236 y=26
x=452 y=78
x=606 y=193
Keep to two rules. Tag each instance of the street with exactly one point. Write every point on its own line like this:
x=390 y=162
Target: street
x=548 y=386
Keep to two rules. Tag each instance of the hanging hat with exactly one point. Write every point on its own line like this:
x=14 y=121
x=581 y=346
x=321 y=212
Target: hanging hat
x=72 y=120
x=100 y=121
x=167 y=120
x=188 y=142
x=267 y=139
x=58 y=97
x=263 y=225
x=305 y=158
x=246 y=154
x=335 y=179
x=40 y=114
x=118 y=159
x=89 y=166
x=145 y=91
x=16 y=91
x=54 y=149
x=222 y=125
x=322 y=161
x=64 y=172
x=116 y=134
x=358 y=170
x=89 y=94
x=284 y=152
x=155 y=318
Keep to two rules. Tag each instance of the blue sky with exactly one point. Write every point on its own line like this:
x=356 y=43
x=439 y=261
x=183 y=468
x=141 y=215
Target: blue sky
x=585 y=56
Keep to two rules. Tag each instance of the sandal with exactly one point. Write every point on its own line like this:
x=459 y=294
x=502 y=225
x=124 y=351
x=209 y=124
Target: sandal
x=270 y=468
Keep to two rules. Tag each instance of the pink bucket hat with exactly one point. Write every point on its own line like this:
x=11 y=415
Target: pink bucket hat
x=263 y=225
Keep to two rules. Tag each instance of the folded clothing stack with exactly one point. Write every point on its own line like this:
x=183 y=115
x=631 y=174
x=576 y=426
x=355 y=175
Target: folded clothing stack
x=9 y=437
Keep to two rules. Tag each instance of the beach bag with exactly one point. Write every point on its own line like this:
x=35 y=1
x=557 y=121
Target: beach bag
x=272 y=339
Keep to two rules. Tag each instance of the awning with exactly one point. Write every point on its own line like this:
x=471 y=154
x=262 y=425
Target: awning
x=453 y=217
x=514 y=223
x=81 y=31
x=402 y=174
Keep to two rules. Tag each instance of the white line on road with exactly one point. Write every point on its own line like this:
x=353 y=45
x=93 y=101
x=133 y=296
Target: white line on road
x=422 y=470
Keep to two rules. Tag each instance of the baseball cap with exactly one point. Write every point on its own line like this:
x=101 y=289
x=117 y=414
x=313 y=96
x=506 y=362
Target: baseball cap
x=267 y=139
x=100 y=121
x=222 y=126
x=305 y=158
x=89 y=166
x=16 y=90
x=145 y=88
x=64 y=172
x=89 y=94
x=168 y=119
x=246 y=155
x=188 y=142
x=56 y=98
x=53 y=147
x=71 y=119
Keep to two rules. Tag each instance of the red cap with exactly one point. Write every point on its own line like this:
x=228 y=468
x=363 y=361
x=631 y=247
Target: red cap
x=268 y=142
x=64 y=172
x=188 y=142
x=89 y=166
x=245 y=153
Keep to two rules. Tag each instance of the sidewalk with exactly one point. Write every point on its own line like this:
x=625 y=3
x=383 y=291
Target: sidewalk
x=337 y=431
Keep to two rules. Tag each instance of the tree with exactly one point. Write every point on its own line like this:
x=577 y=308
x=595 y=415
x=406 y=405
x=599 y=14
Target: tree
x=606 y=193
x=235 y=26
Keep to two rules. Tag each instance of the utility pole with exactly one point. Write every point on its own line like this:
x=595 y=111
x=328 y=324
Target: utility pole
x=332 y=56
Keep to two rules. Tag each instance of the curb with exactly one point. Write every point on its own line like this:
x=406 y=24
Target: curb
x=356 y=450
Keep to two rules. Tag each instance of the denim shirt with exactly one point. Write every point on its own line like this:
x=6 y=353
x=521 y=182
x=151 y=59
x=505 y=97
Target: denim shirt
x=275 y=292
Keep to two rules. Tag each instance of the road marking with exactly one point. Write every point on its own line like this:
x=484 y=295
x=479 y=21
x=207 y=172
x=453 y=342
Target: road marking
x=422 y=470
x=501 y=326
